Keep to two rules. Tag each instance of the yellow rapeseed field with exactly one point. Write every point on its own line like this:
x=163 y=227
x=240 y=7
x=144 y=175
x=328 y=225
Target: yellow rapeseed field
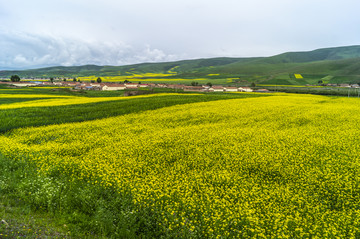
x=171 y=71
x=129 y=76
x=298 y=76
x=281 y=166
x=55 y=100
x=30 y=96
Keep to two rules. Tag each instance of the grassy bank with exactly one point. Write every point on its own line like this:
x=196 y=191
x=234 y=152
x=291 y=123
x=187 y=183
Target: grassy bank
x=19 y=217
x=33 y=205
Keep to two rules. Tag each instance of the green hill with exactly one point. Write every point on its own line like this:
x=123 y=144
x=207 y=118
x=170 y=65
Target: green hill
x=337 y=53
x=339 y=64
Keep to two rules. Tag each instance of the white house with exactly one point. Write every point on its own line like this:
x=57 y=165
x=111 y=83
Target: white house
x=162 y=85
x=114 y=87
x=193 y=88
x=23 y=84
x=131 y=85
x=345 y=85
x=143 y=85
x=230 y=89
x=245 y=89
x=216 y=88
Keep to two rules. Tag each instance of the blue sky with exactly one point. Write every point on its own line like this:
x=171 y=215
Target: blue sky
x=42 y=33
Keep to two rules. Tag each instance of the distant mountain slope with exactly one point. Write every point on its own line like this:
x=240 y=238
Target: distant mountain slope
x=333 y=59
x=337 y=53
x=337 y=61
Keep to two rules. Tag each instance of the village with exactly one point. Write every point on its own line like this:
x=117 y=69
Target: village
x=75 y=85
x=112 y=86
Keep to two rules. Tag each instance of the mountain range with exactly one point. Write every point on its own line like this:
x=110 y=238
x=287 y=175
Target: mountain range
x=333 y=65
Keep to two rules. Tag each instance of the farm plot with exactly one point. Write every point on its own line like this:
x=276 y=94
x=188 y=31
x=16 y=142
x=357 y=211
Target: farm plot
x=269 y=167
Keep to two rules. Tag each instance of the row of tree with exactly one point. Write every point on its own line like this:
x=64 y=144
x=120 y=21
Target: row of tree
x=16 y=78
x=98 y=80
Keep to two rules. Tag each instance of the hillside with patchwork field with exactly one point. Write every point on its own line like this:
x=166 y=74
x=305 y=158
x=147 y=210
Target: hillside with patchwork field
x=333 y=65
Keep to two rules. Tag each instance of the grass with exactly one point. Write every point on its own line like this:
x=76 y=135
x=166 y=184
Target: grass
x=60 y=91
x=16 y=100
x=78 y=210
x=18 y=218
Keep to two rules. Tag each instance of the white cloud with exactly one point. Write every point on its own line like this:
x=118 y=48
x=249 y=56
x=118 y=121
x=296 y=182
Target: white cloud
x=20 y=59
x=71 y=32
x=21 y=50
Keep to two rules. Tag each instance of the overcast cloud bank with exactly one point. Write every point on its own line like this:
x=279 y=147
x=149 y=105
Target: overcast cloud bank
x=41 y=33
x=21 y=50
